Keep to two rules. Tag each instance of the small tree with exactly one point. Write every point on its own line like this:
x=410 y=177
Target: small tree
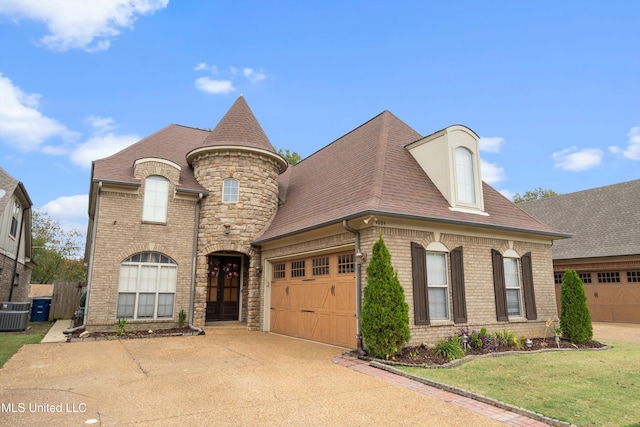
x=385 y=313
x=575 y=320
x=538 y=193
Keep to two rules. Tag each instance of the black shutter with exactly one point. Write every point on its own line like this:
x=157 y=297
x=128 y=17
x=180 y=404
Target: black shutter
x=499 y=286
x=420 y=295
x=527 y=287
x=457 y=286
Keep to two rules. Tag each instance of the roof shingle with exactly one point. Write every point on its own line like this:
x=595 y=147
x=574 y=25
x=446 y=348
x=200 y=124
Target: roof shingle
x=604 y=220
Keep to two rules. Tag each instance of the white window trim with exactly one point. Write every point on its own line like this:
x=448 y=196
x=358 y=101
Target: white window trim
x=155 y=210
x=467 y=173
x=15 y=215
x=444 y=286
x=156 y=292
x=225 y=190
x=508 y=288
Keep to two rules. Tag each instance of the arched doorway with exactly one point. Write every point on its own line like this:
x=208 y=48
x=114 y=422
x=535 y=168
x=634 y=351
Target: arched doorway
x=224 y=283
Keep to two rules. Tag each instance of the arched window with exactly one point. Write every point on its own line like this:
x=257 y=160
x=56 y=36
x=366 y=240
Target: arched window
x=156 y=198
x=230 y=190
x=147 y=286
x=465 y=176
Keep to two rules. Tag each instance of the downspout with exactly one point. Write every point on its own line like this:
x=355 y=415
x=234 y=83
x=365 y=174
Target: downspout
x=94 y=231
x=15 y=264
x=361 y=350
x=194 y=259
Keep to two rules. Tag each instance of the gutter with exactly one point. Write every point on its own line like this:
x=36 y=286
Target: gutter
x=557 y=235
x=15 y=264
x=361 y=350
x=194 y=259
x=90 y=266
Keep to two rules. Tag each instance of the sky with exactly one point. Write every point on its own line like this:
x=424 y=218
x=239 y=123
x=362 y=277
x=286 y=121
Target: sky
x=552 y=88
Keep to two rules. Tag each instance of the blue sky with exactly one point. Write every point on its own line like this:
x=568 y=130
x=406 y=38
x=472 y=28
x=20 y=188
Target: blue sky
x=552 y=88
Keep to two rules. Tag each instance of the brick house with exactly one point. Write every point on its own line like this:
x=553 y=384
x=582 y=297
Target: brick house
x=217 y=224
x=15 y=239
x=604 y=248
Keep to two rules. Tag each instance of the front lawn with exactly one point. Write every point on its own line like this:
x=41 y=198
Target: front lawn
x=10 y=342
x=586 y=388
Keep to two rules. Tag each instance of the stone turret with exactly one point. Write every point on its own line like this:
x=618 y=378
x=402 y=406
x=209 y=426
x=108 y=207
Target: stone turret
x=239 y=167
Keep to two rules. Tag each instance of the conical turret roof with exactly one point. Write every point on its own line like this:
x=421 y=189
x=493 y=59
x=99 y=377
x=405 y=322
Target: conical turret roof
x=239 y=127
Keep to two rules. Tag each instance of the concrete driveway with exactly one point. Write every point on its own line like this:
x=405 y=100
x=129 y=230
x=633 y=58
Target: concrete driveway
x=227 y=377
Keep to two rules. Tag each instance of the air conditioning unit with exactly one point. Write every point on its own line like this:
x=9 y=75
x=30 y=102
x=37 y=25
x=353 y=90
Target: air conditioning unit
x=13 y=320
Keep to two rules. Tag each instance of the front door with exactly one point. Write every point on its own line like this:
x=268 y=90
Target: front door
x=223 y=288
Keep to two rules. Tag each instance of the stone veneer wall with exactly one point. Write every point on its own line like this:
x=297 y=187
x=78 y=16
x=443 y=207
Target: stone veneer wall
x=478 y=273
x=122 y=233
x=258 y=200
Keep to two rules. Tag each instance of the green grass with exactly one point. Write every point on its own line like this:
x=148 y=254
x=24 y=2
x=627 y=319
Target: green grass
x=587 y=388
x=10 y=342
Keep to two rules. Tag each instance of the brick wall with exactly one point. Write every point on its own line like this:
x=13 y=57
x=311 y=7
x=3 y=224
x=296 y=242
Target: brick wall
x=478 y=273
x=122 y=233
x=20 y=293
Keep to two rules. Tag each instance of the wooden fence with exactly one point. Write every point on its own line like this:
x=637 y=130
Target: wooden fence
x=66 y=299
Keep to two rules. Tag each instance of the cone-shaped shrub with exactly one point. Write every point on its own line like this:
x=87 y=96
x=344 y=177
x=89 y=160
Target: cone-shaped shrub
x=385 y=313
x=575 y=320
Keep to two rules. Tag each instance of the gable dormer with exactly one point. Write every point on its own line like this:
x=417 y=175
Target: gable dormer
x=451 y=158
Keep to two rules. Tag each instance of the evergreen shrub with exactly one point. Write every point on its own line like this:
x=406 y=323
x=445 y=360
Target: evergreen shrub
x=575 y=320
x=385 y=313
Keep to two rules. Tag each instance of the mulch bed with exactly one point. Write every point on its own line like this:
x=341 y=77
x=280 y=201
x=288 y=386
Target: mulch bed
x=427 y=356
x=110 y=335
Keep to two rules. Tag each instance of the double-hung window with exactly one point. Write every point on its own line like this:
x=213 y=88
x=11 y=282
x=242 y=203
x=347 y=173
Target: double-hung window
x=15 y=219
x=437 y=285
x=230 y=191
x=512 y=287
x=156 y=199
x=147 y=286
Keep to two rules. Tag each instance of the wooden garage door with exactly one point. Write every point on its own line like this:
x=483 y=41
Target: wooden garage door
x=314 y=298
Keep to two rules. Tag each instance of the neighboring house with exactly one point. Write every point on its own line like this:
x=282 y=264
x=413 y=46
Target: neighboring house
x=604 y=249
x=217 y=224
x=15 y=239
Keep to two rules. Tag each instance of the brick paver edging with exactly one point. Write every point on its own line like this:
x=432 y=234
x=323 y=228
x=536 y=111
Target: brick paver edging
x=478 y=397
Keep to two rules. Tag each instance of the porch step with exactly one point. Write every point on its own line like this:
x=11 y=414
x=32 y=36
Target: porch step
x=225 y=325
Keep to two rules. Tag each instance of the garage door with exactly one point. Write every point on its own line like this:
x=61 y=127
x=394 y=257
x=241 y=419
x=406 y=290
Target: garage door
x=314 y=298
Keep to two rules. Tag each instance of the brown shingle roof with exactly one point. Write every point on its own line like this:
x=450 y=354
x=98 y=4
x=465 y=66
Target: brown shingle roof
x=171 y=143
x=239 y=127
x=369 y=170
x=604 y=220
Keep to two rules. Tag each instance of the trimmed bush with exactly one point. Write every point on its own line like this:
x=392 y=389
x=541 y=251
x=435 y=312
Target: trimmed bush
x=385 y=313
x=575 y=320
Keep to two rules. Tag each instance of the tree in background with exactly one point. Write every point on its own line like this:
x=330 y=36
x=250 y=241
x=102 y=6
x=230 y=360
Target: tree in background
x=385 y=313
x=538 y=193
x=575 y=320
x=291 y=157
x=55 y=251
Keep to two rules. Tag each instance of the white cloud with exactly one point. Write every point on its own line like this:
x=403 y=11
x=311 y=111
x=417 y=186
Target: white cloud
x=21 y=124
x=491 y=144
x=208 y=85
x=203 y=66
x=101 y=124
x=99 y=146
x=491 y=172
x=252 y=75
x=506 y=193
x=68 y=207
x=632 y=151
x=572 y=159
x=81 y=24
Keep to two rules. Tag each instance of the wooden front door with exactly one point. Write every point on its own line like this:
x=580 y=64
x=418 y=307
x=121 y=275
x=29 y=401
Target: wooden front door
x=223 y=288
